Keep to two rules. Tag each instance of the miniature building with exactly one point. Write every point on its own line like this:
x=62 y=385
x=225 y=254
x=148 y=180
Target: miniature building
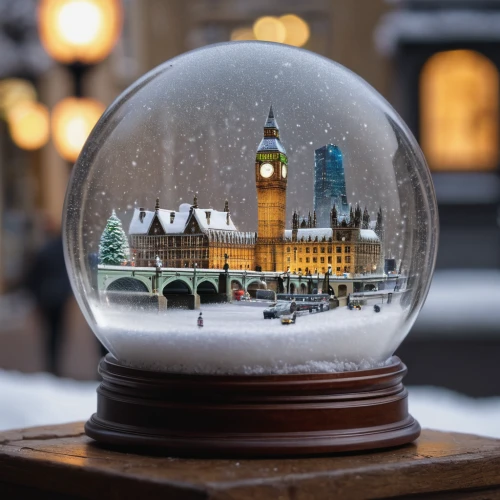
x=208 y=237
x=190 y=236
x=329 y=183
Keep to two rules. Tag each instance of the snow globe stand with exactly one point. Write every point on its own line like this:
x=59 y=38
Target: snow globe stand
x=246 y=416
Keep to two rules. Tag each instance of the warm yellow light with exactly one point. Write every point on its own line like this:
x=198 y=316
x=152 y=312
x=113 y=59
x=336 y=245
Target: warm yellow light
x=29 y=124
x=242 y=34
x=459 y=111
x=72 y=121
x=79 y=30
x=269 y=29
x=13 y=91
x=297 y=30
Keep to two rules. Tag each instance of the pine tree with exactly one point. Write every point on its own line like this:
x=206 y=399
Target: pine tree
x=113 y=247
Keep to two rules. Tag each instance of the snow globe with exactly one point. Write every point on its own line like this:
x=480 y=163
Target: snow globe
x=251 y=230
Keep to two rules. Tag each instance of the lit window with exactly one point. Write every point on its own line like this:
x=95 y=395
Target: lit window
x=459 y=111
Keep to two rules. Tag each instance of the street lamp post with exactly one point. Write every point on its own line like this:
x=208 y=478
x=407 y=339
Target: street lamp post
x=328 y=279
x=288 y=280
x=78 y=34
x=228 y=283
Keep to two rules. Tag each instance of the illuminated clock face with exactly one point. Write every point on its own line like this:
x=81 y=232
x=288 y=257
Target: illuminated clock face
x=283 y=171
x=266 y=170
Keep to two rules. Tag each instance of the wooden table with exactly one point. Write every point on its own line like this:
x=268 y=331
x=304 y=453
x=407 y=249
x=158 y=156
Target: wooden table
x=59 y=462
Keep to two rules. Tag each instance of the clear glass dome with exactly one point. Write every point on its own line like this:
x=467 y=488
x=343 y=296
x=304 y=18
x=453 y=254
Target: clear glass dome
x=251 y=208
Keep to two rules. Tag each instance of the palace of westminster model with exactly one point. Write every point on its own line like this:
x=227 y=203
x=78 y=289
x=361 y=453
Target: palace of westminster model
x=336 y=238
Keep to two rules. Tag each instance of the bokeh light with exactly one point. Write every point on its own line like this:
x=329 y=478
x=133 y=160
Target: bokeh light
x=29 y=124
x=13 y=91
x=72 y=121
x=269 y=29
x=79 y=30
x=297 y=30
x=243 y=33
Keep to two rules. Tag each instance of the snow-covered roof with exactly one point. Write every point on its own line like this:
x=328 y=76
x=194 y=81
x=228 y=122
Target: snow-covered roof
x=313 y=232
x=368 y=235
x=271 y=144
x=218 y=220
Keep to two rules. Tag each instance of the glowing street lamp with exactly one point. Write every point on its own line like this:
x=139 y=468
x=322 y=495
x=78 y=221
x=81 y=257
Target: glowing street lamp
x=72 y=121
x=29 y=124
x=79 y=31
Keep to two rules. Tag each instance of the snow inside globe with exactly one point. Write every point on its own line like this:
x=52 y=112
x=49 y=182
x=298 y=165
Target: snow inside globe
x=251 y=208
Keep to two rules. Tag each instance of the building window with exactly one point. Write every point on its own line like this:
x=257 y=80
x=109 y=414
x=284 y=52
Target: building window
x=315 y=249
x=322 y=249
x=307 y=260
x=348 y=259
x=347 y=250
x=288 y=259
x=322 y=260
x=300 y=249
x=315 y=259
x=329 y=260
x=459 y=111
x=339 y=249
x=288 y=249
x=308 y=250
x=300 y=259
x=339 y=260
x=329 y=250
x=338 y=269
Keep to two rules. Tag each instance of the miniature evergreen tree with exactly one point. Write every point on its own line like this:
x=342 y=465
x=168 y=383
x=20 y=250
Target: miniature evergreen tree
x=113 y=247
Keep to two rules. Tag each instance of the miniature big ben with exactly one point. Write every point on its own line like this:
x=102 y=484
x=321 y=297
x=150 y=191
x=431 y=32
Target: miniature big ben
x=271 y=171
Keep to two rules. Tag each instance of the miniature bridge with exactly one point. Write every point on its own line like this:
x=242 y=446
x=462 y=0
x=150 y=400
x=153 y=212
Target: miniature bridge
x=188 y=287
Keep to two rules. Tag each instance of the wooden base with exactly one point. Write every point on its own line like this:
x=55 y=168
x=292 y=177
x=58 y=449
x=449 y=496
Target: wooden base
x=243 y=416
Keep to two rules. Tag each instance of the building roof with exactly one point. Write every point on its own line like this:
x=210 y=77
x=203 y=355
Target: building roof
x=271 y=121
x=218 y=220
x=271 y=144
x=326 y=232
x=368 y=235
x=313 y=232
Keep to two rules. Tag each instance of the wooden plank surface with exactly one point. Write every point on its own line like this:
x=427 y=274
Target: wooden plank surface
x=61 y=462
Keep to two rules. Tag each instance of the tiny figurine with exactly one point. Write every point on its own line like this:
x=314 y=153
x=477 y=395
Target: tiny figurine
x=200 y=320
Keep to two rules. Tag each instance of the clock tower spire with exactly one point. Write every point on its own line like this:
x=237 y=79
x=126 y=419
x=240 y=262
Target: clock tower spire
x=271 y=171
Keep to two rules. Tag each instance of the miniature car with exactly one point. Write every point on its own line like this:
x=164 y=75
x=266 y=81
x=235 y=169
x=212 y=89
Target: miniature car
x=288 y=319
x=279 y=309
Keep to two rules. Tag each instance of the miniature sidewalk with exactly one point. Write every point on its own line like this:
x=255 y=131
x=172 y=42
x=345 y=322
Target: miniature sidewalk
x=61 y=462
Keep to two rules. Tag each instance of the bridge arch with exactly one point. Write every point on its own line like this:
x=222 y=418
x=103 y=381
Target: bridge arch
x=128 y=291
x=236 y=284
x=142 y=279
x=207 y=287
x=180 y=283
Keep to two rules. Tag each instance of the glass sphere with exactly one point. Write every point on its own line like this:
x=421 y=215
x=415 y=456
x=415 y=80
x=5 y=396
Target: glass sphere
x=251 y=208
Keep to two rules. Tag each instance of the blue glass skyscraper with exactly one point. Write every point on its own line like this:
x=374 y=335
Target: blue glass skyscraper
x=329 y=183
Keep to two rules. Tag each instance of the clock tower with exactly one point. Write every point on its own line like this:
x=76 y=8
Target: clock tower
x=271 y=173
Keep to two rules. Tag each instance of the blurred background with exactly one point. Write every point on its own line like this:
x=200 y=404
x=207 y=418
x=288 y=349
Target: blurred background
x=436 y=61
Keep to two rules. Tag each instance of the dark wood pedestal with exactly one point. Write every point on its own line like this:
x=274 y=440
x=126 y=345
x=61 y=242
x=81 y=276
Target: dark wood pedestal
x=244 y=416
x=60 y=462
